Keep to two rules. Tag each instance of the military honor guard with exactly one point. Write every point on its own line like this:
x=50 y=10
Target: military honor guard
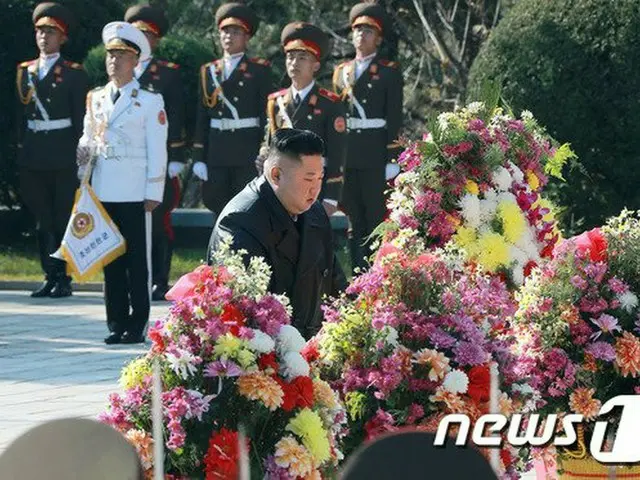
x=52 y=94
x=304 y=105
x=125 y=135
x=231 y=116
x=371 y=89
x=157 y=75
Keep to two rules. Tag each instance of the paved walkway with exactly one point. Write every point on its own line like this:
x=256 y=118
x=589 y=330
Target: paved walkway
x=53 y=362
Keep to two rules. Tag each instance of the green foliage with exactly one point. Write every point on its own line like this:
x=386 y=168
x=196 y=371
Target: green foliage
x=576 y=65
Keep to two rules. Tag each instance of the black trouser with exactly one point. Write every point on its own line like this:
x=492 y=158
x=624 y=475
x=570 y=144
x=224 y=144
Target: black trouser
x=162 y=233
x=225 y=183
x=49 y=195
x=363 y=199
x=125 y=279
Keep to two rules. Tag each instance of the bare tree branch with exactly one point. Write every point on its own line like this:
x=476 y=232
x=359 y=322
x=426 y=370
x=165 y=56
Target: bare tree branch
x=466 y=33
x=496 y=14
x=429 y=30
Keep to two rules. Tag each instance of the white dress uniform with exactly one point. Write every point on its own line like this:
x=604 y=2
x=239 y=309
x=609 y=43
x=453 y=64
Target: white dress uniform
x=125 y=131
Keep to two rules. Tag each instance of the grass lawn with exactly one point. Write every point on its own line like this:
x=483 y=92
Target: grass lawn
x=20 y=263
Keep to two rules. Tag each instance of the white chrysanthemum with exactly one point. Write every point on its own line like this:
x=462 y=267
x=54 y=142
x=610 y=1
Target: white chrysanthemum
x=507 y=197
x=491 y=194
x=628 y=301
x=517 y=273
x=501 y=178
x=294 y=365
x=261 y=342
x=392 y=336
x=183 y=363
x=527 y=244
x=470 y=207
x=519 y=255
x=488 y=209
x=516 y=173
x=289 y=339
x=456 y=381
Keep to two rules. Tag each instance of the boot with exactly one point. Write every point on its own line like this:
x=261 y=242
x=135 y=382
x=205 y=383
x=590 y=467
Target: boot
x=46 y=245
x=62 y=287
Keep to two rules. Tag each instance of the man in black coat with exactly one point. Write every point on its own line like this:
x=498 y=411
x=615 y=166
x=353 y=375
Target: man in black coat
x=277 y=217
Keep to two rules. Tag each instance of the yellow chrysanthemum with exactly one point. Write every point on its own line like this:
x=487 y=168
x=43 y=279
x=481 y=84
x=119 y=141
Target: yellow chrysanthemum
x=245 y=358
x=294 y=457
x=323 y=394
x=493 y=251
x=465 y=237
x=133 y=374
x=228 y=345
x=308 y=426
x=513 y=221
x=472 y=187
x=259 y=386
x=533 y=180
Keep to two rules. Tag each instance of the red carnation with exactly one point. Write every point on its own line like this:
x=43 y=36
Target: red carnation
x=268 y=361
x=529 y=267
x=233 y=316
x=479 y=383
x=593 y=242
x=505 y=456
x=221 y=460
x=304 y=391
x=310 y=351
x=290 y=394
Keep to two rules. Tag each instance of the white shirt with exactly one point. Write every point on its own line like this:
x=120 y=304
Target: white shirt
x=141 y=67
x=230 y=63
x=125 y=90
x=363 y=63
x=45 y=64
x=302 y=93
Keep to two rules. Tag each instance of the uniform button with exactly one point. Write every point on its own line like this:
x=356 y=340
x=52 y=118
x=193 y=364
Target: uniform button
x=220 y=113
x=358 y=131
x=309 y=117
x=364 y=100
x=241 y=83
x=235 y=99
x=48 y=100
x=369 y=85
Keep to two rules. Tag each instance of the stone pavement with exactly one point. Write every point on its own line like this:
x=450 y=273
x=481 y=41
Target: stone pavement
x=53 y=362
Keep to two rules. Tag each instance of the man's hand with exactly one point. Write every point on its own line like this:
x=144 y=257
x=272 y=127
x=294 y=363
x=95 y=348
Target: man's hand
x=200 y=171
x=150 y=205
x=175 y=168
x=329 y=207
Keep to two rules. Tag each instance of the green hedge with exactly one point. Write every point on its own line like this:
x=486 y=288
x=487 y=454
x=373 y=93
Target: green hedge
x=576 y=65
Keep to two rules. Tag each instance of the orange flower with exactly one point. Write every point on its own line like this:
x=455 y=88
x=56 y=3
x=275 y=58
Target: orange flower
x=314 y=475
x=570 y=314
x=454 y=403
x=505 y=404
x=438 y=362
x=581 y=401
x=294 y=457
x=590 y=363
x=259 y=386
x=144 y=446
x=628 y=354
x=323 y=394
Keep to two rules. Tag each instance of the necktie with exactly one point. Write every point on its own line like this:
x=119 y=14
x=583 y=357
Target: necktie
x=296 y=99
x=115 y=96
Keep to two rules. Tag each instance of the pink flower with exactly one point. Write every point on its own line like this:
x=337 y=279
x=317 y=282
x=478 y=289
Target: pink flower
x=594 y=243
x=617 y=286
x=222 y=368
x=607 y=324
x=415 y=413
x=579 y=282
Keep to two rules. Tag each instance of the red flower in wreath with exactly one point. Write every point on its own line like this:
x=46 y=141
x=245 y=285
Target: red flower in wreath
x=233 y=316
x=221 y=460
x=593 y=242
x=479 y=383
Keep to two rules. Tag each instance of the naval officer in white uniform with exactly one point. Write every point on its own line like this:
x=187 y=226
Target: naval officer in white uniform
x=125 y=132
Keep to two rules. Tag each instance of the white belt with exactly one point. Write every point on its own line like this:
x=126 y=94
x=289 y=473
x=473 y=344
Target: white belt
x=119 y=151
x=366 y=123
x=46 y=125
x=232 y=124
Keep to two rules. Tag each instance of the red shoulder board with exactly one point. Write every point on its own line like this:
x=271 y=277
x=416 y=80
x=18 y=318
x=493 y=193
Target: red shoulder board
x=164 y=63
x=28 y=62
x=74 y=65
x=260 y=61
x=329 y=94
x=279 y=93
x=388 y=63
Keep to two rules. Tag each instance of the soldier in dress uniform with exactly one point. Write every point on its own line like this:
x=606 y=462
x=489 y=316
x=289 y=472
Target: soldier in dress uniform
x=51 y=91
x=158 y=75
x=371 y=90
x=125 y=133
x=304 y=105
x=231 y=110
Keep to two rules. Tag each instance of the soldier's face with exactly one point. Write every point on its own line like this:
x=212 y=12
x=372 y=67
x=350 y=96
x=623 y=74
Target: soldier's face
x=366 y=39
x=302 y=66
x=296 y=183
x=120 y=64
x=49 y=39
x=233 y=39
x=153 y=39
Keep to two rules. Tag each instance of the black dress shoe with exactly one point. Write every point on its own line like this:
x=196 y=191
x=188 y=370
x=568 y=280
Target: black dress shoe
x=158 y=293
x=128 y=337
x=45 y=289
x=62 y=288
x=113 y=339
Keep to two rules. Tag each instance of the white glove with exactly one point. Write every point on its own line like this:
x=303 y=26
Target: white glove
x=200 y=171
x=391 y=171
x=175 y=169
x=81 y=171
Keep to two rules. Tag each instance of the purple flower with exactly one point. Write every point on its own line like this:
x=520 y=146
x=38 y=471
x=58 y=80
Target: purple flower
x=579 y=282
x=617 y=286
x=440 y=339
x=467 y=353
x=384 y=317
x=596 y=271
x=602 y=351
x=222 y=368
x=607 y=324
x=273 y=471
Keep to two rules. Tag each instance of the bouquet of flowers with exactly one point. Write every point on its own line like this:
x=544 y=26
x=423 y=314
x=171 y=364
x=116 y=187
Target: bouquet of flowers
x=230 y=363
x=476 y=179
x=580 y=313
x=415 y=340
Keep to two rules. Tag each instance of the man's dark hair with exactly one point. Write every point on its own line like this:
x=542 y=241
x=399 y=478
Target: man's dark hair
x=293 y=143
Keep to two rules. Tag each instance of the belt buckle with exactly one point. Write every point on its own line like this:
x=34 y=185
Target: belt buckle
x=35 y=126
x=224 y=124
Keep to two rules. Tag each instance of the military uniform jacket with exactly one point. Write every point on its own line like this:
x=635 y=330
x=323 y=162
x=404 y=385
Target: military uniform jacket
x=378 y=95
x=50 y=114
x=164 y=77
x=129 y=141
x=321 y=112
x=302 y=259
x=230 y=137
